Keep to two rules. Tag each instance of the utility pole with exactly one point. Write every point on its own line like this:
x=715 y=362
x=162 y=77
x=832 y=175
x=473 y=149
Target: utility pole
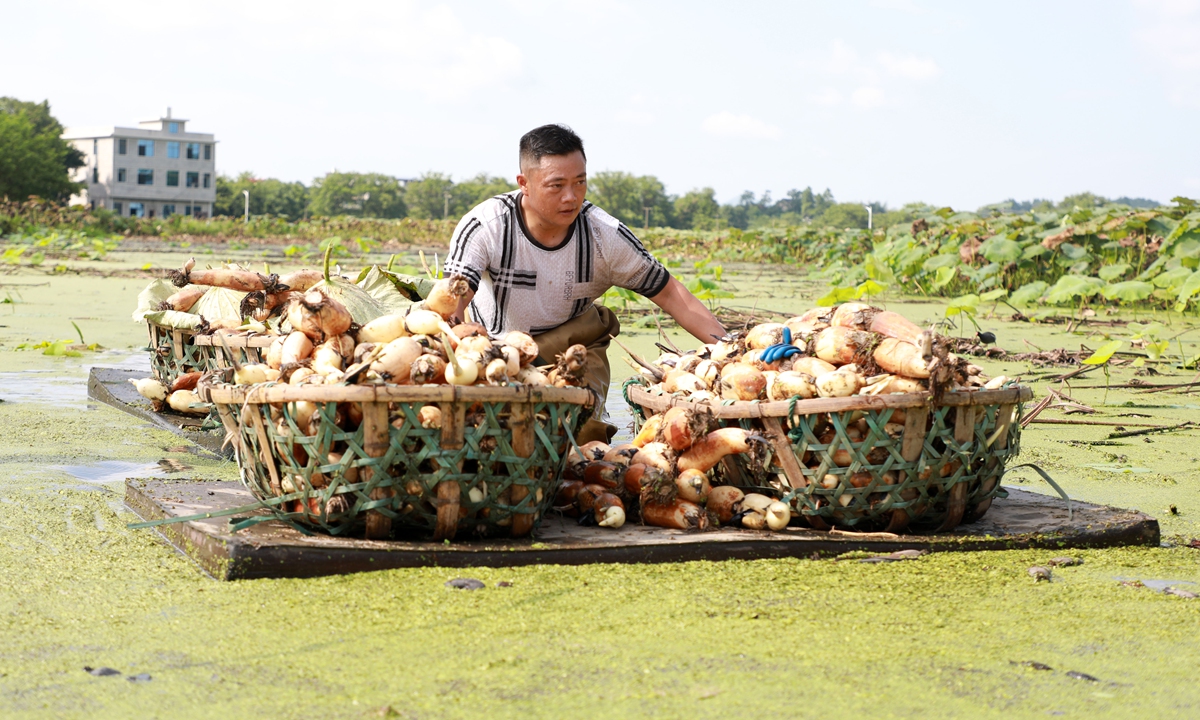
x=870 y=223
x=646 y=224
x=445 y=204
x=247 y=194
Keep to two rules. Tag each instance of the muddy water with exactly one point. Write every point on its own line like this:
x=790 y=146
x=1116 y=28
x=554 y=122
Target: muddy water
x=935 y=637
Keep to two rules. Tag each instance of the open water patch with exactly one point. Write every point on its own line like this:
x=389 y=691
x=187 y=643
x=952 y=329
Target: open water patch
x=65 y=384
x=105 y=473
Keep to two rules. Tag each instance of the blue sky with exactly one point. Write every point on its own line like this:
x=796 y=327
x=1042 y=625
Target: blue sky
x=888 y=100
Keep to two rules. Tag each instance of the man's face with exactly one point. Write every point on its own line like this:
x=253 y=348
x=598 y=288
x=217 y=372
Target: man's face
x=555 y=188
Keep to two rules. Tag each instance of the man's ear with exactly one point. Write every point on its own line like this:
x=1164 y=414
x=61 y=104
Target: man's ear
x=522 y=181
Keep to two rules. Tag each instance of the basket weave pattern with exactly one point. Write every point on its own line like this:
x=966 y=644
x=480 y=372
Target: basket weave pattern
x=174 y=352
x=917 y=466
x=491 y=468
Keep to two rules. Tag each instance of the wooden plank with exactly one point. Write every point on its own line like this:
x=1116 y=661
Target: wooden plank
x=448 y=491
x=1003 y=424
x=524 y=442
x=912 y=444
x=754 y=409
x=264 y=447
x=784 y=455
x=376 y=440
x=271 y=549
x=964 y=435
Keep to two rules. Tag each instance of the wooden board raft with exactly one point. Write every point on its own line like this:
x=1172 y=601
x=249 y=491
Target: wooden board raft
x=272 y=549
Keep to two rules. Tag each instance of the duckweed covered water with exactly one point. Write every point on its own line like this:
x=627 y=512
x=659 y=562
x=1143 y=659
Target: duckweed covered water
x=946 y=635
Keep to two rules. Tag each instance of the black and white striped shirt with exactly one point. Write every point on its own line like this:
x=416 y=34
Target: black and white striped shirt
x=522 y=285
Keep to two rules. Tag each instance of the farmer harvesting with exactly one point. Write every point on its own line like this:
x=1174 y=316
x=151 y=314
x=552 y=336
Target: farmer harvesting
x=537 y=258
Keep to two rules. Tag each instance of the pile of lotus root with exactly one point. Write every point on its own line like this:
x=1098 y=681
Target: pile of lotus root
x=828 y=352
x=320 y=343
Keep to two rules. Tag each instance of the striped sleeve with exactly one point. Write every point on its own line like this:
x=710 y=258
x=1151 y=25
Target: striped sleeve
x=632 y=266
x=468 y=254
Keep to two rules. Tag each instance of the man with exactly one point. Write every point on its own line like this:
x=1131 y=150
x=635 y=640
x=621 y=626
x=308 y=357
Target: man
x=537 y=258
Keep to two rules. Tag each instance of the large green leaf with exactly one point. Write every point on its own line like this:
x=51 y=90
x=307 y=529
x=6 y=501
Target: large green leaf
x=1173 y=278
x=220 y=304
x=964 y=304
x=1187 y=291
x=1128 y=291
x=1029 y=292
x=943 y=276
x=1112 y=272
x=1104 y=353
x=151 y=297
x=999 y=249
x=1070 y=287
x=379 y=285
x=941 y=261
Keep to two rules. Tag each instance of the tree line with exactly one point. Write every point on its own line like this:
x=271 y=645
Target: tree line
x=637 y=201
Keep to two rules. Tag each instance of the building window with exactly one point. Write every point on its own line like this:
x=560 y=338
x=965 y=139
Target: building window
x=120 y=174
x=95 y=174
x=174 y=128
x=172 y=178
x=207 y=179
x=117 y=208
x=168 y=210
x=137 y=209
x=208 y=152
x=193 y=151
x=145 y=177
x=151 y=212
x=146 y=149
x=193 y=179
x=172 y=149
x=120 y=146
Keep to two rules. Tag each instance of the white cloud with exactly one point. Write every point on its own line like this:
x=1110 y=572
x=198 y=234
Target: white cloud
x=867 y=97
x=841 y=72
x=726 y=124
x=909 y=66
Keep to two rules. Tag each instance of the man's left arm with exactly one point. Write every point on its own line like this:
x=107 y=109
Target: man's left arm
x=688 y=311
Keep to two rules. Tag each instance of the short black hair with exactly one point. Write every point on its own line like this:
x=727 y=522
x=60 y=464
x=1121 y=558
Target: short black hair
x=548 y=140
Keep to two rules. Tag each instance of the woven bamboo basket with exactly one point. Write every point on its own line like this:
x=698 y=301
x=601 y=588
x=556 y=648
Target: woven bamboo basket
x=174 y=352
x=491 y=469
x=918 y=466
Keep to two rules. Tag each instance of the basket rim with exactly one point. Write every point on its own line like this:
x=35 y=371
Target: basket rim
x=780 y=408
x=276 y=393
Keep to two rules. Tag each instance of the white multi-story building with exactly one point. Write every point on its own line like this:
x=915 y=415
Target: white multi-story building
x=157 y=169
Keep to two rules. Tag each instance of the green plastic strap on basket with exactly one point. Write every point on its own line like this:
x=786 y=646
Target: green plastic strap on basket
x=570 y=436
x=252 y=521
x=258 y=505
x=637 y=409
x=1049 y=480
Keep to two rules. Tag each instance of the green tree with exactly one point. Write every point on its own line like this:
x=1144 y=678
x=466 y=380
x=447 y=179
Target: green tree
x=1083 y=200
x=845 y=215
x=268 y=196
x=34 y=159
x=469 y=193
x=359 y=194
x=698 y=210
x=435 y=195
x=625 y=196
x=426 y=196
